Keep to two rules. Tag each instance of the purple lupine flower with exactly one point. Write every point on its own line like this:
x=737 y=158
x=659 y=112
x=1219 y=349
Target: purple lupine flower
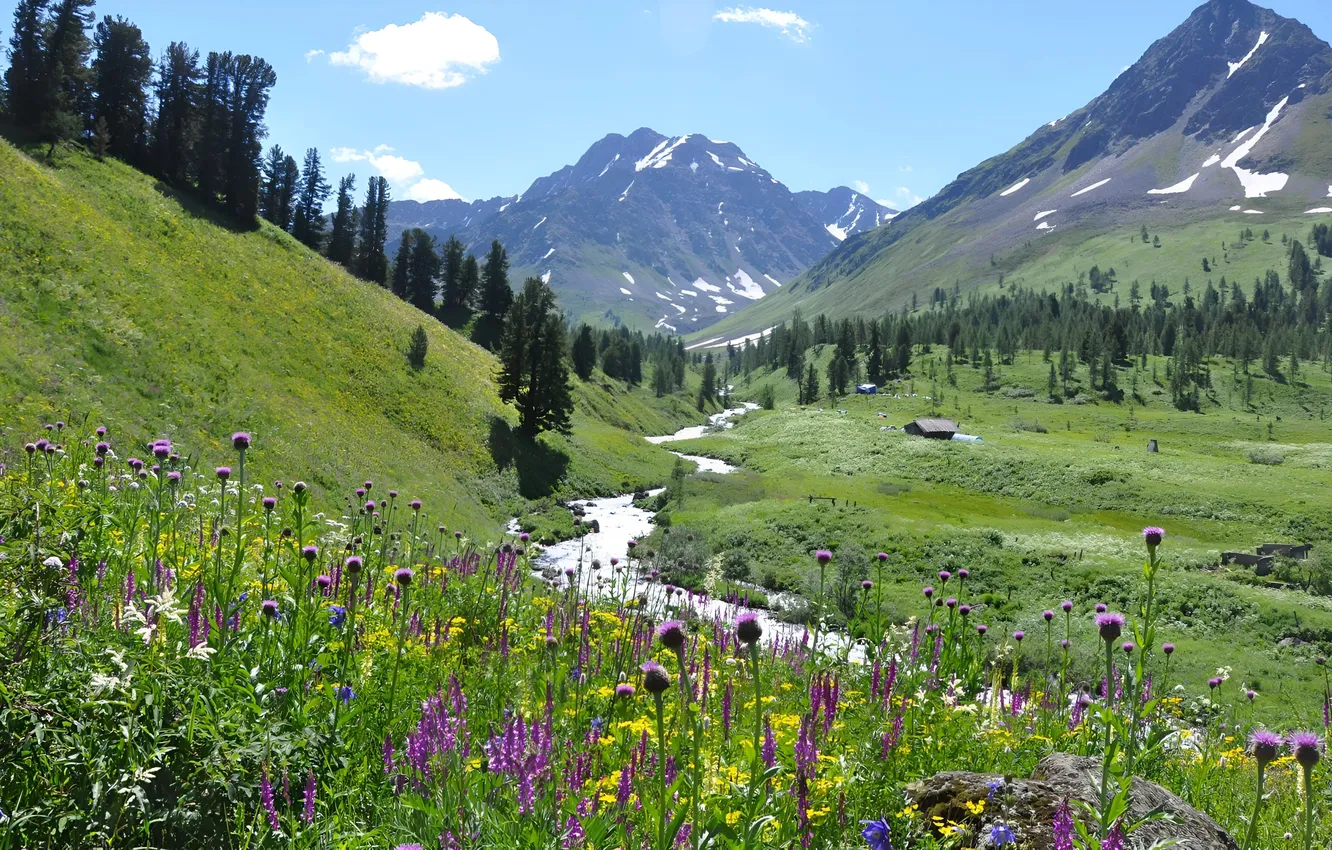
x=1115 y=839
x=266 y=797
x=573 y=832
x=387 y=752
x=727 y=696
x=1063 y=827
x=308 y=813
x=769 y=745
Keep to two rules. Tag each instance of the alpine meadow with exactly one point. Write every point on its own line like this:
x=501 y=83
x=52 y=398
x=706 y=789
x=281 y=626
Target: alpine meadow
x=670 y=502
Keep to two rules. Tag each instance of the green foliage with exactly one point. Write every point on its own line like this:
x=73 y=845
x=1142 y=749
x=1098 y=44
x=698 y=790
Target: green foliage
x=418 y=348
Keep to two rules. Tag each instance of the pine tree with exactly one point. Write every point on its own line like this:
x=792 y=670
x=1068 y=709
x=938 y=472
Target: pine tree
x=122 y=72
x=308 y=223
x=584 y=352
x=707 y=390
x=454 y=296
x=249 y=83
x=469 y=282
x=371 y=261
x=176 y=130
x=902 y=349
x=402 y=266
x=342 y=238
x=418 y=348
x=874 y=356
x=65 y=96
x=422 y=281
x=214 y=123
x=809 y=390
x=496 y=296
x=275 y=199
x=27 y=82
x=533 y=373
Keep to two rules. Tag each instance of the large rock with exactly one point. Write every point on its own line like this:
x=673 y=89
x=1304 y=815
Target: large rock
x=1027 y=806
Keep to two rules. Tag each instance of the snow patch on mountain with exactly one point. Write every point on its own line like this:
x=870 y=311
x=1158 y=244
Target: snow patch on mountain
x=1096 y=185
x=748 y=288
x=608 y=166
x=539 y=223
x=625 y=193
x=838 y=233
x=546 y=256
x=1257 y=185
x=1318 y=211
x=545 y=278
x=1043 y=213
x=775 y=281
x=1235 y=66
x=625 y=291
x=663 y=297
x=704 y=286
x=628 y=277
x=1015 y=187
x=1212 y=160
x=1045 y=225
x=1179 y=188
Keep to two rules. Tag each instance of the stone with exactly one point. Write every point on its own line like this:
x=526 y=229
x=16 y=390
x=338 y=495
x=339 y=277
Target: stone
x=1027 y=806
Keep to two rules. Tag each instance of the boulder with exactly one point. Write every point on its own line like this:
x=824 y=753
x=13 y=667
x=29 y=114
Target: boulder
x=1027 y=806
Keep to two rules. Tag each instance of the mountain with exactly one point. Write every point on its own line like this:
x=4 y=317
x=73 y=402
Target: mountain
x=1224 y=123
x=655 y=231
x=127 y=304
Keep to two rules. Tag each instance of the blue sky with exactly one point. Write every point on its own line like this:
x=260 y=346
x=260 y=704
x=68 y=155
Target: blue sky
x=483 y=96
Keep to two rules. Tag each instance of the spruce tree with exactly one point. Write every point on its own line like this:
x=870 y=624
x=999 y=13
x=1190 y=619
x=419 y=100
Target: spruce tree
x=122 y=73
x=274 y=187
x=809 y=390
x=342 y=238
x=27 y=81
x=249 y=83
x=418 y=348
x=65 y=96
x=707 y=390
x=422 y=282
x=469 y=283
x=371 y=261
x=176 y=129
x=399 y=282
x=451 y=270
x=902 y=349
x=874 y=356
x=496 y=296
x=533 y=371
x=585 y=353
x=308 y=223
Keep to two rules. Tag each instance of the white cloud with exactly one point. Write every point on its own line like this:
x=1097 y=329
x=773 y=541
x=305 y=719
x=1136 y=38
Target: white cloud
x=906 y=198
x=405 y=174
x=437 y=52
x=431 y=189
x=311 y=54
x=791 y=25
x=860 y=186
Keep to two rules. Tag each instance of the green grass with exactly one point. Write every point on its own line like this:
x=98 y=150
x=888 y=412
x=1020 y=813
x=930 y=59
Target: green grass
x=1040 y=517
x=125 y=302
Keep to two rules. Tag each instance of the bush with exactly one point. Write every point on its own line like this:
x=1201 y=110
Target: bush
x=1266 y=457
x=767 y=397
x=417 y=348
x=1035 y=426
x=1020 y=392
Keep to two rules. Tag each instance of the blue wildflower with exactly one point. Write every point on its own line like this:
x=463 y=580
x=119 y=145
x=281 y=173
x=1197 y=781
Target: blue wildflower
x=994 y=786
x=336 y=616
x=875 y=834
x=1000 y=834
x=346 y=694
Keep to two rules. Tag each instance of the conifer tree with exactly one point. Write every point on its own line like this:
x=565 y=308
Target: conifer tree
x=469 y=282
x=176 y=130
x=371 y=261
x=422 y=281
x=64 y=95
x=585 y=353
x=496 y=296
x=707 y=390
x=402 y=266
x=122 y=73
x=809 y=390
x=27 y=82
x=249 y=83
x=308 y=223
x=533 y=371
x=342 y=237
x=874 y=356
x=452 y=272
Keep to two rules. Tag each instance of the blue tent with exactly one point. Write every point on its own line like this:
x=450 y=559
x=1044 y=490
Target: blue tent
x=867 y=389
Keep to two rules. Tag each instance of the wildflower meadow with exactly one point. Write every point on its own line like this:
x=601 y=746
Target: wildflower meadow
x=193 y=658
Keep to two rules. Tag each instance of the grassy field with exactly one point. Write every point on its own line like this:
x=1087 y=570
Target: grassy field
x=1048 y=507
x=125 y=302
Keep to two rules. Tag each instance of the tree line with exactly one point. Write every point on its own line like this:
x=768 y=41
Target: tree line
x=196 y=124
x=1275 y=325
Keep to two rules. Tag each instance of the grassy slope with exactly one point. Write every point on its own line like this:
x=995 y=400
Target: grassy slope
x=130 y=305
x=1013 y=508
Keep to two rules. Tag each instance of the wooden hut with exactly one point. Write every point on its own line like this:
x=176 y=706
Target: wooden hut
x=1298 y=551
x=933 y=429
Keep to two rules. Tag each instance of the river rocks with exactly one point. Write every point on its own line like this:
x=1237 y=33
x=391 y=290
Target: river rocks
x=1027 y=806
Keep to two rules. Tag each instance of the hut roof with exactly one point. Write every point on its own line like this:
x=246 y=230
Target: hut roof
x=936 y=425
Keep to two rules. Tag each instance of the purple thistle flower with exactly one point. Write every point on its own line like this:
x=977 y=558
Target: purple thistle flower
x=671 y=634
x=1048 y=615
x=1168 y=648
x=403 y=576
x=1306 y=746
x=223 y=473
x=748 y=628
x=1018 y=636
x=655 y=678
x=1067 y=605
x=624 y=690
x=269 y=503
x=944 y=576
x=1265 y=744
x=270 y=608
x=823 y=556
x=415 y=504
x=1111 y=626
x=1101 y=608
x=240 y=441
x=1153 y=536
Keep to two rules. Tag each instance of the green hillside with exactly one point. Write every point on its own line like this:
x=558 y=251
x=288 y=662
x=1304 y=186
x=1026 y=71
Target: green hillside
x=125 y=302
